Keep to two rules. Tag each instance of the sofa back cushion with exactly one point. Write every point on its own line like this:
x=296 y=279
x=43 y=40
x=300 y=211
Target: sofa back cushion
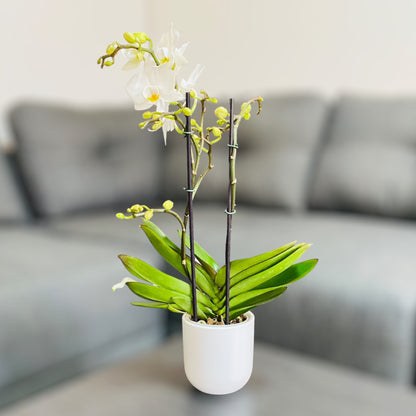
x=274 y=157
x=75 y=159
x=369 y=162
x=11 y=205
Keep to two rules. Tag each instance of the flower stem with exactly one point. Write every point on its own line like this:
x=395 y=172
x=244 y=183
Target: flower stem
x=230 y=209
x=190 y=209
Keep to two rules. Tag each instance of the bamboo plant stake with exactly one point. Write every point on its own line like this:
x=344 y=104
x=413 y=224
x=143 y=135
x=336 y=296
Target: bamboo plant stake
x=190 y=191
x=232 y=153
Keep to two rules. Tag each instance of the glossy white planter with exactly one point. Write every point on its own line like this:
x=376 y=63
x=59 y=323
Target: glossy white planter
x=218 y=358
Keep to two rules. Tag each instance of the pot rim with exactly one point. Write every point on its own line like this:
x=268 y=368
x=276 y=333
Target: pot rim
x=187 y=319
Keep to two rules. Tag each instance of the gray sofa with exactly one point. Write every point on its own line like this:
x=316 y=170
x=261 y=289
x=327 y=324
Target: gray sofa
x=341 y=175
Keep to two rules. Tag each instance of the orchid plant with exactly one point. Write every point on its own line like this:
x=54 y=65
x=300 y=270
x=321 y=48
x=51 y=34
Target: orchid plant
x=170 y=102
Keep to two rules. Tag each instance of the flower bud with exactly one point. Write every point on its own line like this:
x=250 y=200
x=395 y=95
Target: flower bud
x=216 y=131
x=245 y=111
x=157 y=125
x=99 y=60
x=111 y=48
x=147 y=114
x=141 y=37
x=168 y=205
x=148 y=214
x=136 y=208
x=187 y=111
x=130 y=38
x=108 y=63
x=120 y=216
x=192 y=93
x=221 y=113
x=143 y=125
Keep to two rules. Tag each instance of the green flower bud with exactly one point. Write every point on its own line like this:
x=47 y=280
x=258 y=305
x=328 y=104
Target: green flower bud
x=136 y=208
x=120 y=216
x=157 y=125
x=147 y=114
x=111 y=48
x=187 y=111
x=108 y=63
x=148 y=214
x=130 y=38
x=192 y=93
x=168 y=205
x=216 y=131
x=221 y=113
x=99 y=60
x=143 y=125
x=245 y=110
x=141 y=37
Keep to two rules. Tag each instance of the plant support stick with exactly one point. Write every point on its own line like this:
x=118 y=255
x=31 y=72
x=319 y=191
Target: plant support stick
x=230 y=210
x=190 y=190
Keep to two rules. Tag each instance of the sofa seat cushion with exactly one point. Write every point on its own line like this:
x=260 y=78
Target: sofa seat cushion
x=59 y=316
x=369 y=162
x=75 y=159
x=12 y=208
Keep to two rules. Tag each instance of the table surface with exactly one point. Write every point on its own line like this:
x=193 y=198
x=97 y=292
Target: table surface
x=283 y=383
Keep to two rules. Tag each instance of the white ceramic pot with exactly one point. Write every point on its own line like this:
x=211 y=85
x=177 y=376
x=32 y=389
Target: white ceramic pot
x=218 y=358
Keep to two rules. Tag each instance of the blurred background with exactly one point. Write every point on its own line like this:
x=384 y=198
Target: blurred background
x=336 y=143
x=49 y=47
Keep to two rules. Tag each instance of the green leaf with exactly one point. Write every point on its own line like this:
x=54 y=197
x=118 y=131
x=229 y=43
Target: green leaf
x=150 y=292
x=256 y=300
x=159 y=305
x=292 y=274
x=186 y=305
x=238 y=312
x=240 y=269
x=171 y=253
x=209 y=264
x=255 y=297
x=264 y=276
x=150 y=274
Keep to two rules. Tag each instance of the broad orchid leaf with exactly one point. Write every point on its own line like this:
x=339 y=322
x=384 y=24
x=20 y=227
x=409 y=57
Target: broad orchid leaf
x=150 y=274
x=150 y=292
x=255 y=297
x=292 y=274
x=240 y=269
x=258 y=300
x=185 y=304
x=264 y=276
x=159 y=305
x=238 y=312
x=209 y=264
x=171 y=253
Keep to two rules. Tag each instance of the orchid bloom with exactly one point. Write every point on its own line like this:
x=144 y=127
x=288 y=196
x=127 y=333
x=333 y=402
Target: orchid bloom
x=189 y=84
x=167 y=51
x=134 y=57
x=153 y=85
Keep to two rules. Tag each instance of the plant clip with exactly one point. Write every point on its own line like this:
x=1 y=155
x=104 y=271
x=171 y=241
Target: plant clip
x=189 y=190
x=233 y=145
x=230 y=213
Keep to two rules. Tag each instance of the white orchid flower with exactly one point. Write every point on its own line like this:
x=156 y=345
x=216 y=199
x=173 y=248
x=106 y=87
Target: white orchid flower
x=153 y=85
x=168 y=124
x=134 y=58
x=189 y=83
x=168 y=53
x=121 y=284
